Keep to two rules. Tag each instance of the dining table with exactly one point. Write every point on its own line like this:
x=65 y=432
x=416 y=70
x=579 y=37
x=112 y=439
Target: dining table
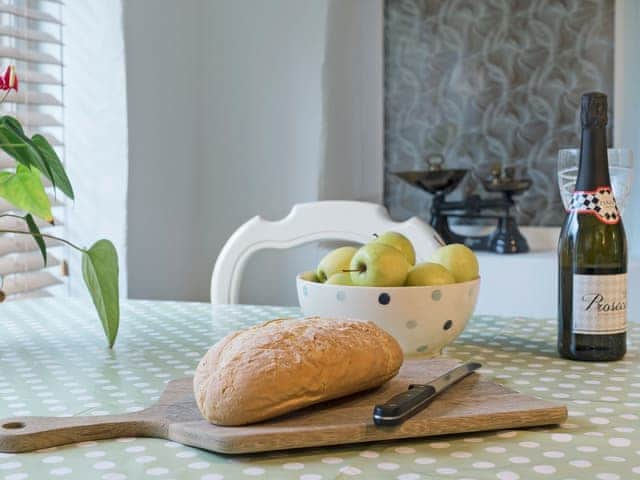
x=54 y=361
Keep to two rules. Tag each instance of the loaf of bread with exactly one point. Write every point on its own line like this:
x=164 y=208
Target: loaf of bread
x=287 y=364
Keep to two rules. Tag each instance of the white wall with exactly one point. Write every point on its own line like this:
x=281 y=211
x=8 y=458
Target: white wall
x=261 y=116
x=95 y=131
x=163 y=47
x=230 y=115
x=627 y=107
x=353 y=106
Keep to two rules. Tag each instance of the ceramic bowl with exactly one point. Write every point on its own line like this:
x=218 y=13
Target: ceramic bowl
x=423 y=319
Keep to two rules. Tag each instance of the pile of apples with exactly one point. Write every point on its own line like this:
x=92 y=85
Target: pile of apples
x=390 y=261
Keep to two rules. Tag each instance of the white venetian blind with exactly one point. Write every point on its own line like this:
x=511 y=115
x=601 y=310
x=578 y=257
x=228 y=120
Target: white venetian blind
x=31 y=39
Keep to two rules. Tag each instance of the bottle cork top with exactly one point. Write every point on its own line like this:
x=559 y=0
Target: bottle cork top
x=593 y=111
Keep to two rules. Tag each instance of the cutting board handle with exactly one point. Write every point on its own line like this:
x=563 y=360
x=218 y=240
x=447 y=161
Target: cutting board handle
x=25 y=434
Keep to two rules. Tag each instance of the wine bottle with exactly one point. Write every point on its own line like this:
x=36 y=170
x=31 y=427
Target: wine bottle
x=592 y=252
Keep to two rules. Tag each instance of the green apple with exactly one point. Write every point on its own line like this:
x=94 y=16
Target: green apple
x=429 y=274
x=459 y=260
x=334 y=262
x=379 y=265
x=340 y=278
x=399 y=241
x=309 y=276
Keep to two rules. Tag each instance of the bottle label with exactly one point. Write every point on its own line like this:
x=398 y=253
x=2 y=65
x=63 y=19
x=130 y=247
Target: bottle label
x=599 y=202
x=599 y=304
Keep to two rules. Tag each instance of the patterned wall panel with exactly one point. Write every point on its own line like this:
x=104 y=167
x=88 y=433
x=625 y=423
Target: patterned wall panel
x=491 y=81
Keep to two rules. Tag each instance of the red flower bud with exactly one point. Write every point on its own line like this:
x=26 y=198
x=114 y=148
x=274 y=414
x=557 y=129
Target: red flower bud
x=9 y=80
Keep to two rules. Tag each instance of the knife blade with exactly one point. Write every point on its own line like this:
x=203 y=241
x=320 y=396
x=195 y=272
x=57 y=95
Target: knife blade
x=406 y=404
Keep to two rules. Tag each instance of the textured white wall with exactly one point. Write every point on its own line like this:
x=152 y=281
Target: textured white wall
x=95 y=130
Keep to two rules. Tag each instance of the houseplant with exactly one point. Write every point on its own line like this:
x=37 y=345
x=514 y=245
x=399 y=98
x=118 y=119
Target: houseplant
x=25 y=190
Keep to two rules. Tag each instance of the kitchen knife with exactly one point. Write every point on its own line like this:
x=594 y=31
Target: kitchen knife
x=397 y=409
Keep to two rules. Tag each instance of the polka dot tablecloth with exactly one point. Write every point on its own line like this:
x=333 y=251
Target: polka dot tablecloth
x=53 y=361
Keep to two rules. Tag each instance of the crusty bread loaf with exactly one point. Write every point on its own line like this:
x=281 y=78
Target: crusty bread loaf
x=286 y=364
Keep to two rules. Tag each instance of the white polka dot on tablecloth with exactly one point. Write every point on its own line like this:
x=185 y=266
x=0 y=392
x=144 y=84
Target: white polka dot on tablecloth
x=16 y=476
x=124 y=440
x=145 y=459
x=529 y=444
x=608 y=476
x=157 y=471
x=388 y=466
x=253 y=471
x=408 y=476
x=611 y=458
x=369 y=454
x=553 y=454
x=95 y=454
x=351 y=471
x=587 y=448
x=461 y=454
x=61 y=471
x=212 y=476
x=332 y=460
x=439 y=445
x=544 y=469
x=624 y=429
x=135 y=449
x=446 y=470
x=405 y=450
x=114 y=476
x=198 y=465
x=103 y=465
x=496 y=449
x=425 y=460
x=619 y=442
x=186 y=454
x=507 y=475
x=473 y=440
x=53 y=459
x=561 y=437
x=310 y=476
x=580 y=463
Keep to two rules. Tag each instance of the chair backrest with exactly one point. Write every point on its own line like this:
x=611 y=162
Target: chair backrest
x=310 y=222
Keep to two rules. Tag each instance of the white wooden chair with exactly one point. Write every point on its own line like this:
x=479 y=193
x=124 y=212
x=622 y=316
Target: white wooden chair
x=310 y=222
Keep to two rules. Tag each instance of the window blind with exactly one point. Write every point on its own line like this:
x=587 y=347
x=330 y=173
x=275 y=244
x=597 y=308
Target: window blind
x=31 y=39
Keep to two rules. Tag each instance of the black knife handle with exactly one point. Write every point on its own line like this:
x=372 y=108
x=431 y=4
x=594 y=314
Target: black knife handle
x=403 y=405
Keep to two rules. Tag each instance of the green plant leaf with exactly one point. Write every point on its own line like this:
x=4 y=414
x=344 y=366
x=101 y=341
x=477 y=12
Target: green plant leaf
x=25 y=191
x=13 y=123
x=100 y=273
x=35 y=233
x=60 y=179
x=14 y=141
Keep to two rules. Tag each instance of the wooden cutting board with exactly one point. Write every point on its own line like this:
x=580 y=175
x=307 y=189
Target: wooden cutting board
x=474 y=404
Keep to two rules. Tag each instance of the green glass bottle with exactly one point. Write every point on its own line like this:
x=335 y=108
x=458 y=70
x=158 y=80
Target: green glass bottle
x=592 y=252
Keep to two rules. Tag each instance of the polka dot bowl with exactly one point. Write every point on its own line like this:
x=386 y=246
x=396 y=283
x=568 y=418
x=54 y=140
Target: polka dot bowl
x=423 y=319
